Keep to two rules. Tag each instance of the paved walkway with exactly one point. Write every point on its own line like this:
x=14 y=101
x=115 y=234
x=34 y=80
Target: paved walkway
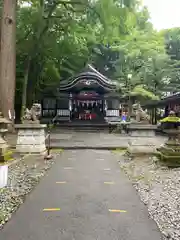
x=84 y=197
x=73 y=139
x=76 y=139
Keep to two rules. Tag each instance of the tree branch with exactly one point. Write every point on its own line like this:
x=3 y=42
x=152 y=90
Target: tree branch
x=70 y=2
x=24 y=38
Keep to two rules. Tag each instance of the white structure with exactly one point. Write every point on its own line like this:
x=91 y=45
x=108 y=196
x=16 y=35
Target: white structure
x=31 y=138
x=3 y=176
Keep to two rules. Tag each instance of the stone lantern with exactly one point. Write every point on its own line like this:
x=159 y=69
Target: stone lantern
x=169 y=153
x=3 y=130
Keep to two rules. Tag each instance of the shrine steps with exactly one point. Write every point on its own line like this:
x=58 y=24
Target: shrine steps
x=82 y=126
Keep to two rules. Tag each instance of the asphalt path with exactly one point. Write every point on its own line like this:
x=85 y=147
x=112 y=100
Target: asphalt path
x=84 y=196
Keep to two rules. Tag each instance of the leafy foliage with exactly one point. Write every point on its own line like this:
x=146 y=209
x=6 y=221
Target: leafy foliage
x=57 y=38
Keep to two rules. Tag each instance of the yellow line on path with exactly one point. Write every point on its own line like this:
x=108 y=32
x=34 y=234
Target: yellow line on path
x=117 y=211
x=108 y=182
x=60 y=182
x=107 y=169
x=51 y=209
x=68 y=168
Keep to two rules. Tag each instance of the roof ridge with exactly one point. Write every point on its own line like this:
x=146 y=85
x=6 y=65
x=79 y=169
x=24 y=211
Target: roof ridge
x=96 y=71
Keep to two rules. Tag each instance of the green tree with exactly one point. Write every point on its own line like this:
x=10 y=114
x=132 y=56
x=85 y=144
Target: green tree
x=56 y=39
x=60 y=36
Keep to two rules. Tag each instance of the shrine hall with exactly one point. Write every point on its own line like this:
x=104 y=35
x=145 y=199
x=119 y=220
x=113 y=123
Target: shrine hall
x=89 y=96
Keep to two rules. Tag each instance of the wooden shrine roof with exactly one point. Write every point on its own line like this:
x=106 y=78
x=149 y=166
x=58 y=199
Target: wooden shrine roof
x=89 y=77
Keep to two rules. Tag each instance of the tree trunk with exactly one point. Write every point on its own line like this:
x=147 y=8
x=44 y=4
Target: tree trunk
x=24 y=90
x=8 y=58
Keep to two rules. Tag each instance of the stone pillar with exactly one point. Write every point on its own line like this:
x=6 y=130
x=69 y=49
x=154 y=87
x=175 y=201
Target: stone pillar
x=31 y=138
x=143 y=139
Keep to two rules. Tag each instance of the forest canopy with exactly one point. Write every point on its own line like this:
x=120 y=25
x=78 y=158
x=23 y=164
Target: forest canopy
x=56 y=39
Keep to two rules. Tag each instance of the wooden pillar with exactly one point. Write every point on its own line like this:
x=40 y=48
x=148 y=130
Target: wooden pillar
x=151 y=116
x=155 y=115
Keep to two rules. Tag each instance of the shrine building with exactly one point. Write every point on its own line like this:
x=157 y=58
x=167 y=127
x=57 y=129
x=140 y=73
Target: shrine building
x=89 y=96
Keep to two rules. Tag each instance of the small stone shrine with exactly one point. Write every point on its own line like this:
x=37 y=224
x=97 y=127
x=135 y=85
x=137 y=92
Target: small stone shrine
x=31 y=134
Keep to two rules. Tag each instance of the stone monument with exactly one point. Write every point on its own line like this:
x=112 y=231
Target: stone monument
x=31 y=134
x=140 y=115
x=32 y=115
x=142 y=133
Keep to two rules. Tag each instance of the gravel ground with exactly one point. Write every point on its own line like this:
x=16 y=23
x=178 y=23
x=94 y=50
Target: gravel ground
x=22 y=177
x=159 y=189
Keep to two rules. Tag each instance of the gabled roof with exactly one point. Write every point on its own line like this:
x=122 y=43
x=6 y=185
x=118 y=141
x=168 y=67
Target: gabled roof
x=89 y=73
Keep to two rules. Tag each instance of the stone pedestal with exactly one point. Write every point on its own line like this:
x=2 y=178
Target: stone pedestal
x=169 y=153
x=31 y=138
x=143 y=139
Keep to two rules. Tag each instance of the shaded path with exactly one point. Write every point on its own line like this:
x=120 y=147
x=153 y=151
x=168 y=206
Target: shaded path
x=85 y=185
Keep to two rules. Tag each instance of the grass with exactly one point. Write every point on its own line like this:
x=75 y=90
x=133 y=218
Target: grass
x=119 y=150
x=8 y=156
x=59 y=150
x=138 y=177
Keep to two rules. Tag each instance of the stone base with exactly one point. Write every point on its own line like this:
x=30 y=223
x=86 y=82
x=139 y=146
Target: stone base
x=141 y=150
x=31 y=138
x=141 y=146
x=30 y=149
x=142 y=130
x=143 y=139
x=169 y=153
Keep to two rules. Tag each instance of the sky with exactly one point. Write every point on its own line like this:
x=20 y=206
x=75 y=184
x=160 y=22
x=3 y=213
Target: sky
x=164 y=13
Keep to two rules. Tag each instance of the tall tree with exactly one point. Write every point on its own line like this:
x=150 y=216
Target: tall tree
x=8 y=57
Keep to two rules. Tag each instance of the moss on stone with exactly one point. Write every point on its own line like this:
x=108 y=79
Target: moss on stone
x=170 y=119
x=172 y=159
x=119 y=150
x=7 y=156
